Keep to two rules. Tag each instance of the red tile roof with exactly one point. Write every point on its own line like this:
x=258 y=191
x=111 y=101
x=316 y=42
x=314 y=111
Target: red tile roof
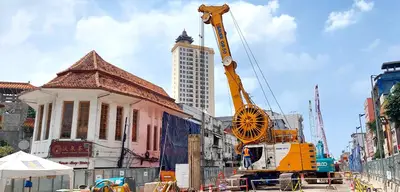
x=15 y=85
x=92 y=72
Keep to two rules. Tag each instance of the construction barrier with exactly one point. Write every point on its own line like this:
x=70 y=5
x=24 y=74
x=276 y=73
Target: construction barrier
x=348 y=175
x=225 y=184
x=360 y=186
x=166 y=187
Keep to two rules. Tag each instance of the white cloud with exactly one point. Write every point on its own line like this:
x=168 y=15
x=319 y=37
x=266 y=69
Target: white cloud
x=39 y=40
x=342 y=19
x=364 y=6
x=372 y=45
x=284 y=62
x=20 y=29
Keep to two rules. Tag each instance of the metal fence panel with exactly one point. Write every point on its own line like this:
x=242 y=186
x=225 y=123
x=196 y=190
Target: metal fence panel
x=87 y=177
x=83 y=177
x=391 y=167
x=211 y=173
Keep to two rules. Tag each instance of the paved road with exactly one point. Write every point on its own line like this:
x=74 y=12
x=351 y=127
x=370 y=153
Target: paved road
x=315 y=188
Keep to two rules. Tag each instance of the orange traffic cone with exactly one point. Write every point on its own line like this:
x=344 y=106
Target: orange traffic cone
x=210 y=189
x=302 y=177
x=201 y=188
x=351 y=186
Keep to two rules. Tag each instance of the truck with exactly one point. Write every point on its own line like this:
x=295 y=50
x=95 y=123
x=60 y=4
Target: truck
x=278 y=155
x=326 y=168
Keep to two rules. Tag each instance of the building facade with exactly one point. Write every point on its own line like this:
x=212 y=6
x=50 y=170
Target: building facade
x=16 y=117
x=395 y=132
x=357 y=139
x=231 y=159
x=382 y=85
x=218 y=144
x=369 y=117
x=193 y=74
x=93 y=111
x=287 y=121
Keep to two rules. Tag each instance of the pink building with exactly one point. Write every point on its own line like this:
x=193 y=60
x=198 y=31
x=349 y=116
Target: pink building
x=82 y=115
x=369 y=117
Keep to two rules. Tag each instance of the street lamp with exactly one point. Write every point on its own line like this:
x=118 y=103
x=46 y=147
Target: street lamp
x=364 y=143
x=374 y=100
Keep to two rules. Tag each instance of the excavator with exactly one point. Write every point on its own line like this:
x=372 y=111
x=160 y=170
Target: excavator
x=278 y=155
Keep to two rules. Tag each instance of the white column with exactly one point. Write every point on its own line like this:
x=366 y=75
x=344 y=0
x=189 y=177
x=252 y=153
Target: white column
x=92 y=132
x=57 y=119
x=53 y=114
x=44 y=120
x=74 y=119
x=111 y=121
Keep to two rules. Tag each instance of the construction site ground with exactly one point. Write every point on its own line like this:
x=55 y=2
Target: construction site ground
x=345 y=187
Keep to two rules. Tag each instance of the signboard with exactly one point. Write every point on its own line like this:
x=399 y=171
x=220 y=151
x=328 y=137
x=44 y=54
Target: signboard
x=73 y=163
x=70 y=149
x=322 y=164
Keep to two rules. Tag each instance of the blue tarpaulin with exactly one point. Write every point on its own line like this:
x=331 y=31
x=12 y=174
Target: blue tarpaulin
x=355 y=160
x=174 y=135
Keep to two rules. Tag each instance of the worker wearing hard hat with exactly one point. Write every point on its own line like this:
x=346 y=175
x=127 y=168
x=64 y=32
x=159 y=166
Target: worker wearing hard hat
x=247 y=157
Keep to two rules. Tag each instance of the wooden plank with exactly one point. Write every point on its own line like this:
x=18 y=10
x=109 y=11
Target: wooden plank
x=194 y=161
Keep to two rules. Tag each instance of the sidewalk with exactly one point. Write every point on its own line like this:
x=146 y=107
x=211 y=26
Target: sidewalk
x=378 y=183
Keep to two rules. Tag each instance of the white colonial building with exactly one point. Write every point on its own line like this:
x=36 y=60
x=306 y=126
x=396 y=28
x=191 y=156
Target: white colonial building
x=83 y=113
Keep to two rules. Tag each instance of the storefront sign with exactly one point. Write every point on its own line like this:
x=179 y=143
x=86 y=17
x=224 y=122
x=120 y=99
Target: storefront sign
x=70 y=149
x=74 y=163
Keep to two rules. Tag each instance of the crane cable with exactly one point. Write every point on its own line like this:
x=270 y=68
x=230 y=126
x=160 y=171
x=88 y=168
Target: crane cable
x=248 y=56
x=269 y=132
x=269 y=87
x=244 y=41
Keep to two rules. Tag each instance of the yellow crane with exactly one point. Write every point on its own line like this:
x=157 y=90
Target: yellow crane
x=276 y=153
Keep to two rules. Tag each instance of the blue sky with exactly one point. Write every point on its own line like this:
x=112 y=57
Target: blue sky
x=336 y=44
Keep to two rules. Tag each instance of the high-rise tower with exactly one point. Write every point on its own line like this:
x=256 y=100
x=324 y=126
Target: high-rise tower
x=192 y=76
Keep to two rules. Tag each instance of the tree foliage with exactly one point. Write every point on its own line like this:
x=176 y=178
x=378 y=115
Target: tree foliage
x=5 y=149
x=392 y=108
x=31 y=113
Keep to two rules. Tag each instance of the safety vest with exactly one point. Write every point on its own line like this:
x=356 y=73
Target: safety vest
x=247 y=152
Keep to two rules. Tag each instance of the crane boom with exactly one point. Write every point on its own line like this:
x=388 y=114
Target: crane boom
x=311 y=120
x=320 y=122
x=250 y=123
x=213 y=15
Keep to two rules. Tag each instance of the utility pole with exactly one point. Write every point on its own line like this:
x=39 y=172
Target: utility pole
x=378 y=127
x=202 y=100
x=364 y=143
